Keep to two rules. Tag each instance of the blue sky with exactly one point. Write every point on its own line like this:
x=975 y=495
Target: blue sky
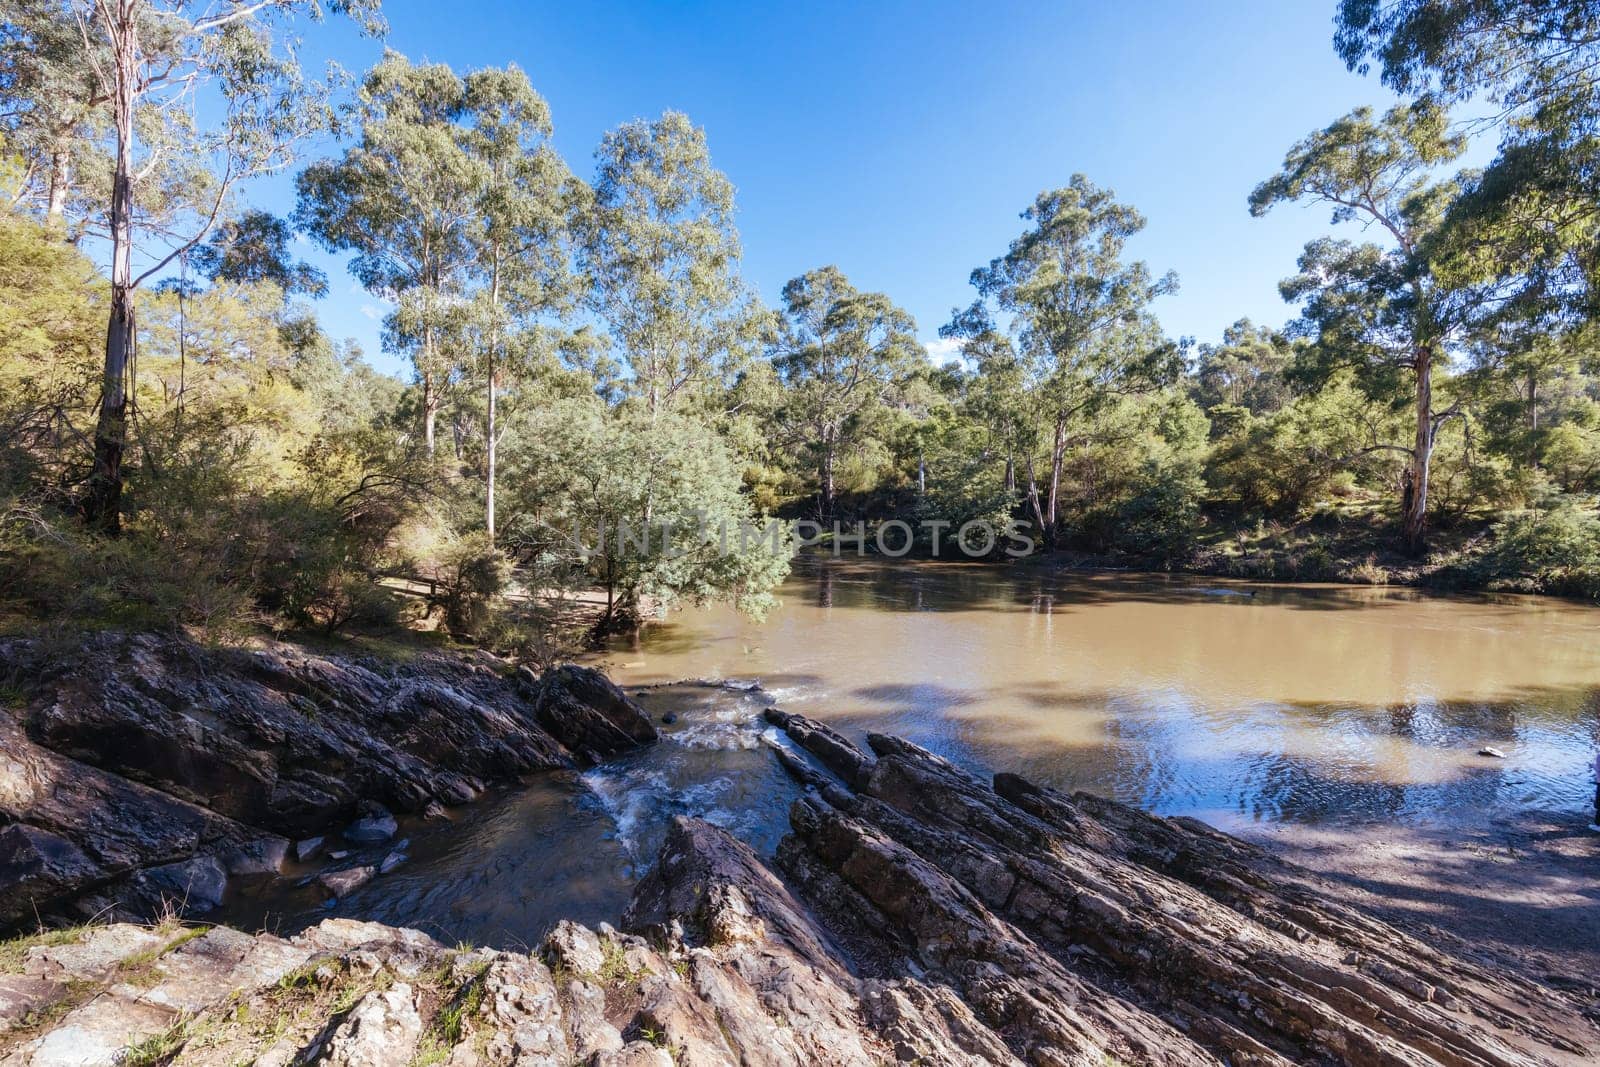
x=900 y=141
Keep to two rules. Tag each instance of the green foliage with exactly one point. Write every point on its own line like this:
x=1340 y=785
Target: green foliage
x=582 y=475
x=468 y=574
x=841 y=355
x=1555 y=549
x=661 y=248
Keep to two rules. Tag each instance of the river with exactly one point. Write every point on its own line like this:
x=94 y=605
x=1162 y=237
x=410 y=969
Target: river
x=1248 y=705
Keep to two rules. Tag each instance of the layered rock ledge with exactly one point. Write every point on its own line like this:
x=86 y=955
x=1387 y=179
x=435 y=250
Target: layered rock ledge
x=139 y=773
x=916 y=914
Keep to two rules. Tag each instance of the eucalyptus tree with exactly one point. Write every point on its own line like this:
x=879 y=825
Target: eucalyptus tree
x=1382 y=309
x=1531 y=218
x=150 y=61
x=840 y=351
x=663 y=254
x=254 y=248
x=53 y=109
x=1249 y=369
x=406 y=199
x=521 y=239
x=996 y=398
x=1080 y=313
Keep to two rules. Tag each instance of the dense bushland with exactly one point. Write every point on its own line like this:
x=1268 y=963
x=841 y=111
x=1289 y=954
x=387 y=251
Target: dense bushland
x=181 y=443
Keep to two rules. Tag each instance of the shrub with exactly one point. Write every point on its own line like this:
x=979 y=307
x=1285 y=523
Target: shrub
x=1550 y=550
x=468 y=574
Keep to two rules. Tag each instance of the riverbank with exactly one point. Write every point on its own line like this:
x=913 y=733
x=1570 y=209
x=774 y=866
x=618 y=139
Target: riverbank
x=913 y=914
x=1357 y=544
x=905 y=908
x=1521 y=890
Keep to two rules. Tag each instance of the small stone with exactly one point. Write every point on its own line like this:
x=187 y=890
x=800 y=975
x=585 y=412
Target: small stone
x=343 y=883
x=1493 y=753
x=305 y=850
x=669 y=718
x=391 y=861
x=372 y=830
x=435 y=810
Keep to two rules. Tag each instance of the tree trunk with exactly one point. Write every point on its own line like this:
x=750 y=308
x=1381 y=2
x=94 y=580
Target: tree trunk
x=1046 y=531
x=1414 y=504
x=102 y=505
x=1058 y=453
x=430 y=410
x=489 y=446
x=60 y=180
x=825 y=479
x=489 y=413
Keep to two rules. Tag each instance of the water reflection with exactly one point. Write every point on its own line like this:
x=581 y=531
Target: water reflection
x=1244 y=705
x=1238 y=702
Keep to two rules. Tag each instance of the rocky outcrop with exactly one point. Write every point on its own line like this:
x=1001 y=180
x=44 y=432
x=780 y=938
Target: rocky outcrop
x=590 y=714
x=1078 y=930
x=920 y=916
x=139 y=772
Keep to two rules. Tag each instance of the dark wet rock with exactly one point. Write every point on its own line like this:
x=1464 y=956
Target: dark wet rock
x=585 y=711
x=342 y=883
x=392 y=861
x=264 y=855
x=135 y=752
x=277 y=737
x=197 y=884
x=832 y=749
x=372 y=830
x=75 y=837
x=308 y=848
x=669 y=718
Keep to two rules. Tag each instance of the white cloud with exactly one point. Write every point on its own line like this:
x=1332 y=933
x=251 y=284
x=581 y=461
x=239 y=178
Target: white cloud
x=943 y=349
x=372 y=311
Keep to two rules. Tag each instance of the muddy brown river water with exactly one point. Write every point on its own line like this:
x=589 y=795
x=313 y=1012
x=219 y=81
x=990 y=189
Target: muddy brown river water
x=1247 y=705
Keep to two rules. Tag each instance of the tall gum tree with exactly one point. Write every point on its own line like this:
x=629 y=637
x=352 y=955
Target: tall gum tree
x=406 y=199
x=53 y=108
x=1080 y=314
x=150 y=60
x=1382 y=309
x=662 y=251
x=840 y=350
x=523 y=260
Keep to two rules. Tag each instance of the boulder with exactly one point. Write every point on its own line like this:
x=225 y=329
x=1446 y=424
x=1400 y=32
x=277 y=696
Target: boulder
x=590 y=715
x=132 y=753
x=372 y=830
